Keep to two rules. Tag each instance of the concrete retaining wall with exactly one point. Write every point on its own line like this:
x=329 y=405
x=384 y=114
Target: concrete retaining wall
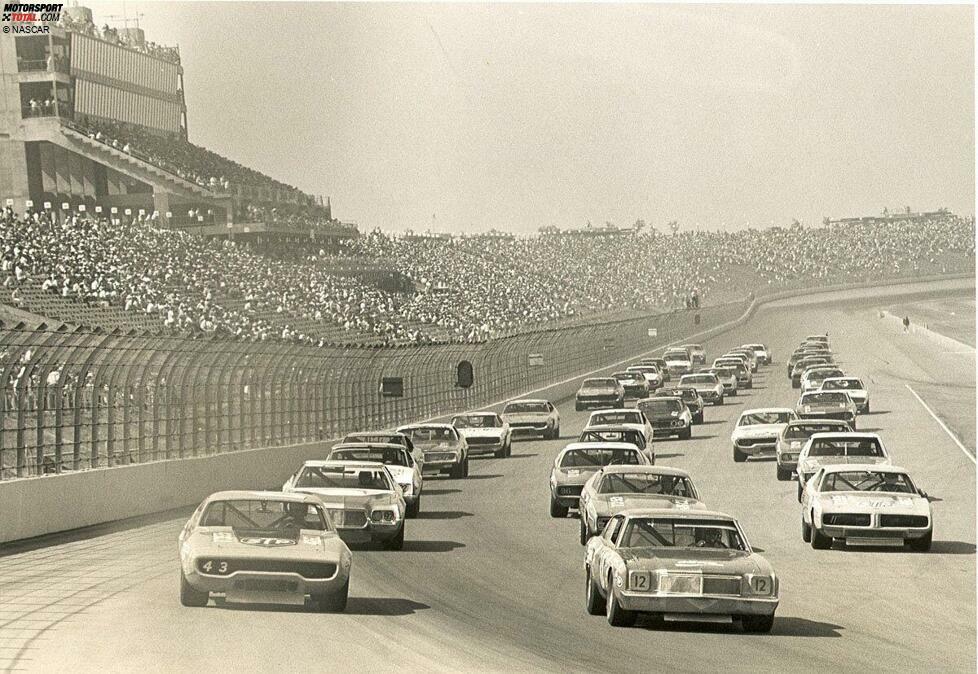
x=34 y=507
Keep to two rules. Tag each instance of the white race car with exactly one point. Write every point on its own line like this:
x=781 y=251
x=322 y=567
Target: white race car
x=399 y=461
x=485 y=433
x=756 y=433
x=865 y=504
x=263 y=547
x=823 y=449
x=854 y=386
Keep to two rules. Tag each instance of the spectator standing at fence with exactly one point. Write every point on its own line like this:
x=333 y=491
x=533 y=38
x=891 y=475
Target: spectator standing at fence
x=906 y=323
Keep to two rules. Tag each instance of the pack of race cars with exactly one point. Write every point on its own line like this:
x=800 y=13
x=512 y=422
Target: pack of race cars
x=651 y=545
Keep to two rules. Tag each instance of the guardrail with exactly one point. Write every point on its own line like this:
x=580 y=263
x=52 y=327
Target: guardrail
x=75 y=399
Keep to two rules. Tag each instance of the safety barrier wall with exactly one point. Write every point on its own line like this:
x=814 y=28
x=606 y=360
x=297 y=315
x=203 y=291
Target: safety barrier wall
x=284 y=415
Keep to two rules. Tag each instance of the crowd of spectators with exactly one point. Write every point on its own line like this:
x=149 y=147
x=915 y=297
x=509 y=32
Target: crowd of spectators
x=120 y=38
x=461 y=289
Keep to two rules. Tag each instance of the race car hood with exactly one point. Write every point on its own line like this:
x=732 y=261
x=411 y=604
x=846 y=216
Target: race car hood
x=598 y=390
x=402 y=474
x=597 y=428
x=874 y=501
x=707 y=560
x=758 y=431
x=481 y=432
x=347 y=499
x=301 y=545
x=607 y=505
x=571 y=476
x=523 y=417
x=437 y=445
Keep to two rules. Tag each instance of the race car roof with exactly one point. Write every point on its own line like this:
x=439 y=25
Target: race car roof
x=401 y=429
x=678 y=514
x=847 y=435
x=528 y=400
x=599 y=445
x=757 y=410
x=241 y=494
x=339 y=463
x=651 y=470
x=367 y=445
x=476 y=414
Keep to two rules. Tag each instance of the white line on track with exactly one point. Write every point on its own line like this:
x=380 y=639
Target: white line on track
x=943 y=425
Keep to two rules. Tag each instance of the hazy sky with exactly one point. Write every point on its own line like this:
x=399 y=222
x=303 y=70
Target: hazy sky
x=520 y=116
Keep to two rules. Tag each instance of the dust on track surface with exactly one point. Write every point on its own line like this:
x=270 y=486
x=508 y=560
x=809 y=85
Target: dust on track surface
x=488 y=581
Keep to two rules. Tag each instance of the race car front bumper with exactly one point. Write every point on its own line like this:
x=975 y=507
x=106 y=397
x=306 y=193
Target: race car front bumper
x=272 y=587
x=756 y=446
x=644 y=602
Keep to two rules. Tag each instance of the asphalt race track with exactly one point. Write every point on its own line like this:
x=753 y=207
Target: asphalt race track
x=488 y=581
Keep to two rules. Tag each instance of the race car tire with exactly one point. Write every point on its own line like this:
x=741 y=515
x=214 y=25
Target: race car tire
x=757 y=624
x=509 y=446
x=465 y=467
x=620 y=404
x=749 y=384
x=795 y=384
x=584 y=534
x=784 y=474
x=593 y=601
x=739 y=456
x=867 y=409
x=335 y=602
x=720 y=400
x=500 y=453
x=457 y=471
x=556 y=433
x=698 y=419
x=617 y=616
x=799 y=492
x=414 y=508
x=819 y=540
x=557 y=510
x=192 y=597
x=923 y=543
x=396 y=543
x=734 y=393
x=852 y=424
x=578 y=407
x=806 y=531
x=686 y=433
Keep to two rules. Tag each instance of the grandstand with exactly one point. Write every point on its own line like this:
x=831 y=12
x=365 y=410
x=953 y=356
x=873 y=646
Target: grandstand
x=102 y=121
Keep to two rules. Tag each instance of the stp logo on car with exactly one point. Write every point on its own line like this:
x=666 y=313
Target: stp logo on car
x=268 y=542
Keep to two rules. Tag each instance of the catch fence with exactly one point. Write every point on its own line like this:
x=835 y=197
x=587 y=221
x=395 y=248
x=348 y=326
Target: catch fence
x=76 y=398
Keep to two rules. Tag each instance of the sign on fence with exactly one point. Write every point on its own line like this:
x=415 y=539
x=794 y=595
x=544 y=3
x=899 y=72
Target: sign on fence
x=392 y=387
x=653 y=332
x=536 y=359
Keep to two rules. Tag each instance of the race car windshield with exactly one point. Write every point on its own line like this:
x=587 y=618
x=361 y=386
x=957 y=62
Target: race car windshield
x=264 y=515
x=661 y=408
x=644 y=483
x=758 y=418
x=724 y=372
x=599 y=456
x=868 y=480
x=644 y=532
x=699 y=379
x=676 y=355
x=808 y=430
x=824 y=397
x=380 y=439
x=819 y=375
x=842 y=385
x=424 y=434
x=632 y=437
x=526 y=408
x=610 y=382
x=477 y=421
x=610 y=418
x=387 y=455
x=626 y=376
x=841 y=447
x=314 y=477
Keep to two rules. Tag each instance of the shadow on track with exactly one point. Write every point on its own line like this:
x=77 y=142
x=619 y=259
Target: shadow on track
x=522 y=456
x=431 y=546
x=668 y=456
x=440 y=492
x=712 y=422
x=442 y=515
x=386 y=606
x=483 y=476
x=952 y=548
x=790 y=627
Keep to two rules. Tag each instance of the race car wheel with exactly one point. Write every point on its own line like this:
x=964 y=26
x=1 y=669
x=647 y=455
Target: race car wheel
x=500 y=453
x=557 y=510
x=867 y=409
x=819 y=540
x=795 y=384
x=757 y=623
x=852 y=424
x=686 y=433
x=465 y=467
x=617 y=616
x=739 y=456
x=509 y=447
x=806 y=531
x=396 y=543
x=799 y=492
x=698 y=419
x=720 y=400
x=584 y=534
x=750 y=384
x=556 y=433
x=335 y=602
x=457 y=471
x=784 y=474
x=578 y=407
x=593 y=601
x=414 y=508
x=190 y=596
x=923 y=543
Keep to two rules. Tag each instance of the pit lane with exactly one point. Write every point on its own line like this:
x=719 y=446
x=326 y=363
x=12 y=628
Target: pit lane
x=488 y=581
